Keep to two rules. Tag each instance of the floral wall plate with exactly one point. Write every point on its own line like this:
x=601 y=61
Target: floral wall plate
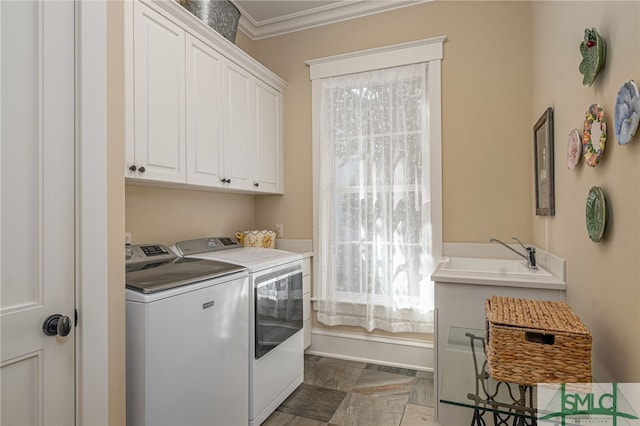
x=594 y=135
x=627 y=112
x=596 y=214
x=593 y=53
x=574 y=149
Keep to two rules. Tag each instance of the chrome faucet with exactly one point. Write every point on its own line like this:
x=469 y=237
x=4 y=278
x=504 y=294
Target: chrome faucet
x=530 y=257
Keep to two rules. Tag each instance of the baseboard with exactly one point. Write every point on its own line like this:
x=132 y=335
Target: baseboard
x=404 y=353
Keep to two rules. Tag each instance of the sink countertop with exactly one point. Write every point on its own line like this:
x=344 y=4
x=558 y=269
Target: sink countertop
x=554 y=264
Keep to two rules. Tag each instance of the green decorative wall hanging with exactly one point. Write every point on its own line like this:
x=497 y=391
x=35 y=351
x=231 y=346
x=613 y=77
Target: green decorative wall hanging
x=597 y=215
x=593 y=52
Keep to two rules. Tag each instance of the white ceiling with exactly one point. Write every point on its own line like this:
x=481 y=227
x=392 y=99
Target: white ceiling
x=267 y=18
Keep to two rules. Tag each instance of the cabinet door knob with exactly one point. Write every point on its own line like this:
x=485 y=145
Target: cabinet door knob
x=256 y=184
x=141 y=169
x=133 y=168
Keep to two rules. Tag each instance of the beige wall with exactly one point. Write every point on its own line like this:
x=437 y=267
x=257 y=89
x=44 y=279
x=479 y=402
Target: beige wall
x=164 y=216
x=244 y=42
x=115 y=217
x=603 y=283
x=485 y=95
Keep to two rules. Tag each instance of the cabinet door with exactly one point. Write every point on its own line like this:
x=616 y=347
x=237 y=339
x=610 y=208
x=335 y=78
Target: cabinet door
x=159 y=97
x=204 y=102
x=239 y=144
x=268 y=168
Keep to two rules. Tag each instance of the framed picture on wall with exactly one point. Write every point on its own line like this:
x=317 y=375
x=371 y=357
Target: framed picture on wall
x=543 y=152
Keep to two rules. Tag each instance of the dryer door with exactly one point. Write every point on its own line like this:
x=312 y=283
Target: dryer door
x=278 y=308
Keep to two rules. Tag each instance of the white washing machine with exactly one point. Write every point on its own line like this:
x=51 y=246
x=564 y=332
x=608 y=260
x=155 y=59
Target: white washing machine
x=187 y=336
x=276 y=355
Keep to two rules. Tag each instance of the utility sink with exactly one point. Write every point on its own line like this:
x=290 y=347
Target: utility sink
x=468 y=275
x=491 y=266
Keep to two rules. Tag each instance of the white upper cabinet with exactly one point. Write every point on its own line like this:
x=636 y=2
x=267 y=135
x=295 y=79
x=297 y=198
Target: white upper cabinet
x=199 y=111
x=159 y=93
x=269 y=148
x=239 y=140
x=204 y=114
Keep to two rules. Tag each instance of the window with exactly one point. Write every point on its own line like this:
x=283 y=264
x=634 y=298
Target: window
x=377 y=191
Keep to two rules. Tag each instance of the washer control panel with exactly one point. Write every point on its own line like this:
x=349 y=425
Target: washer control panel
x=140 y=253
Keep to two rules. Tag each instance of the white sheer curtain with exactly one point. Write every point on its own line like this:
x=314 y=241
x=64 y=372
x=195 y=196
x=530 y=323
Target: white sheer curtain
x=374 y=204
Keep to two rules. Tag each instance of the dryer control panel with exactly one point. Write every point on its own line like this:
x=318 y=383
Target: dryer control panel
x=206 y=245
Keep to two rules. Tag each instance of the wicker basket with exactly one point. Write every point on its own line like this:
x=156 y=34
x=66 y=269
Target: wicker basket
x=535 y=341
x=264 y=239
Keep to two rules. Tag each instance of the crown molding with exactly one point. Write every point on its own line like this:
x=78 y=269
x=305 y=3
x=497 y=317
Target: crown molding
x=325 y=15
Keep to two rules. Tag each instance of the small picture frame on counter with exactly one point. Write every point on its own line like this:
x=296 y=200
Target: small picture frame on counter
x=543 y=154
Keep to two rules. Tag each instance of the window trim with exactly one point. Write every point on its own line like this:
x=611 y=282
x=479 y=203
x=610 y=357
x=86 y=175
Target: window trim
x=413 y=52
x=428 y=50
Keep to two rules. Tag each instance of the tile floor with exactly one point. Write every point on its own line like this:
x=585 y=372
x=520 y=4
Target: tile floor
x=344 y=393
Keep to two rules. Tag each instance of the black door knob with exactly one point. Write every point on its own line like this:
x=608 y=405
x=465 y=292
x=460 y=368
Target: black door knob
x=57 y=325
x=133 y=168
x=141 y=169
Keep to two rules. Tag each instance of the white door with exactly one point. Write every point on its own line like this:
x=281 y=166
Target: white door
x=204 y=114
x=159 y=91
x=37 y=211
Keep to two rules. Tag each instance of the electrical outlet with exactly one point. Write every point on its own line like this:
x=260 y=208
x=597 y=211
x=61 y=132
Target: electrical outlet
x=127 y=238
x=279 y=230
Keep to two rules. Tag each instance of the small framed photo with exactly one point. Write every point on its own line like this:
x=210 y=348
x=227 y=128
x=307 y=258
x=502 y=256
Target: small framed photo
x=543 y=152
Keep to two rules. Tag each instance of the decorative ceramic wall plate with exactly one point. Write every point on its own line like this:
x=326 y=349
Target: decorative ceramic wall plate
x=593 y=53
x=594 y=135
x=574 y=149
x=596 y=212
x=627 y=112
